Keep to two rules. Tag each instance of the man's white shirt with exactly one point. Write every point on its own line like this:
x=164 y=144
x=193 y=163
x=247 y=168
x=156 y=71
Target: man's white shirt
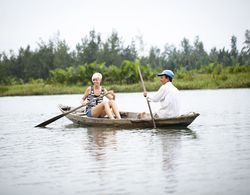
x=168 y=96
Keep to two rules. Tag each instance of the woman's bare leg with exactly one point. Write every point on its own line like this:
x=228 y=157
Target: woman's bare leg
x=98 y=110
x=108 y=110
x=115 y=109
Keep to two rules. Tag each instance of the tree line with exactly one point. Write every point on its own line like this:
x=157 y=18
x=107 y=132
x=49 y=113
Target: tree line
x=53 y=61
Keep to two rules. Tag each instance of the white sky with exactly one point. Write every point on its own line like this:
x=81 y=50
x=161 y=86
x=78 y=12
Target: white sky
x=24 y=22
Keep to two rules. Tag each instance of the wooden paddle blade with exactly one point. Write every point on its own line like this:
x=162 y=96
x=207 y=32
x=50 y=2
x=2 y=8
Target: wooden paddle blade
x=43 y=124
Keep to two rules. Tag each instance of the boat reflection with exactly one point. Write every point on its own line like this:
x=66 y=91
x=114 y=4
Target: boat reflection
x=102 y=139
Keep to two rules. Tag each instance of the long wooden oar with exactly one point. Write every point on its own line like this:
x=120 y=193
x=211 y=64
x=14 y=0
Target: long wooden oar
x=144 y=89
x=43 y=124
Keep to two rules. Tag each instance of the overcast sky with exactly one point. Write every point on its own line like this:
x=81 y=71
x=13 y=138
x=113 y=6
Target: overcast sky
x=25 y=22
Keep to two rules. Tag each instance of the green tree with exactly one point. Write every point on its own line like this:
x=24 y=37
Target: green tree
x=213 y=55
x=129 y=53
x=171 y=57
x=24 y=61
x=58 y=76
x=4 y=70
x=42 y=61
x=224 y=57
x=112 y=75
x=154 y=58
x=199 y=57
x=87 y=51
x=245 y=52
x=129 y=72
x=112 y=49
x=62 y=56
x=186 y=53
x=234 y=51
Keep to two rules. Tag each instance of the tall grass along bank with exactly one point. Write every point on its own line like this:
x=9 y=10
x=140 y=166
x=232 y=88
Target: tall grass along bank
x=189 y=80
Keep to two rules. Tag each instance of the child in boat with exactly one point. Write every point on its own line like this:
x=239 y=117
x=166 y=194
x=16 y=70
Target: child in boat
x=97 y=106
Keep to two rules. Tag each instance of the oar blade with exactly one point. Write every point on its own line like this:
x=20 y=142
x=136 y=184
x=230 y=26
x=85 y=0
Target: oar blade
x=43 y=124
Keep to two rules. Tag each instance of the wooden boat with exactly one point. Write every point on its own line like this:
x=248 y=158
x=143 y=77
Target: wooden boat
x=129 y=120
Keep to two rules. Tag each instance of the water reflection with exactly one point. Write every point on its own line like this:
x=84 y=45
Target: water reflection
x=182 y=132
x=100 y=139
x=142 y=153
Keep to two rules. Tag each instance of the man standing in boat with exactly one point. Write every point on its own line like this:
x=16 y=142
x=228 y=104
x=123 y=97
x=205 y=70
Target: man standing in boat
x=96 y=105
x=167 y=95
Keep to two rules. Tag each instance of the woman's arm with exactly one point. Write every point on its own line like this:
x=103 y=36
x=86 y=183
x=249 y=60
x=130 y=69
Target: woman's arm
x=86 y=93
x=109 y=94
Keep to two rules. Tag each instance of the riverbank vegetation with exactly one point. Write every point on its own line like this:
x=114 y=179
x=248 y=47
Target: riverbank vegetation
x=53 y=68
x=210 y=77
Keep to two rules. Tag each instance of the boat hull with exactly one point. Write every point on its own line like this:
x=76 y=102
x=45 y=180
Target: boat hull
x=129 y=120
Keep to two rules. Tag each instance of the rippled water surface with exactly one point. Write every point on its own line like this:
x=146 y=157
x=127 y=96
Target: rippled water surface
x=212 y=156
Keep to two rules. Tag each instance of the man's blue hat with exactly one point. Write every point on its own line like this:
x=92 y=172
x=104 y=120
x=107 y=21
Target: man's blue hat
x=167 y=72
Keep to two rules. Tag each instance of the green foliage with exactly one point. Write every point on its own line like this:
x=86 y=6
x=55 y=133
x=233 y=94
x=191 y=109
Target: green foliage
x=112 y=75
x=217 y=69
x=128 y=73
x=36 y=81
x=211 y=68
x=54 y=62
x=199 y=81
x=58 y=76
x=183 y=74
x=238 y=68
x=180 y=73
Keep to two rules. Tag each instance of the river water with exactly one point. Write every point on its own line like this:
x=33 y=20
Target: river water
x=212 y=156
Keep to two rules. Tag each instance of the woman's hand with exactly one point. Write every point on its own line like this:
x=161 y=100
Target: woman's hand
x=110 y=92
x=84 y=102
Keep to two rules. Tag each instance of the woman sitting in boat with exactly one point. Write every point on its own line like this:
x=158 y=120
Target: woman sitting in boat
x=97 y=106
